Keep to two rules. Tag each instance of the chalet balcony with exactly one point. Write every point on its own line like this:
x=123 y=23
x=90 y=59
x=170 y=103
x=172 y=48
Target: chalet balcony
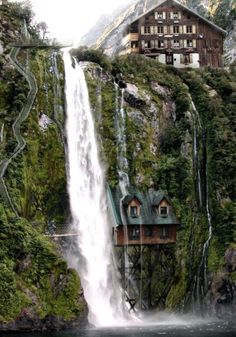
x=129 y=38
x=129 y=51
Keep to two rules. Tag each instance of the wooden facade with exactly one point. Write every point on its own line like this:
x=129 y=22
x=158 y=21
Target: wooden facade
x=142 y=218
x=175 y=35
x=145 y=235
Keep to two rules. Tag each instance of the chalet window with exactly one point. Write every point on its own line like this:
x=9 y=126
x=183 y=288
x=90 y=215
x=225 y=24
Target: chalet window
x=160 y=15
x=160 y=29
x=164 y=232
x=186 y=59
x=134 y=211
x=216 y=43
x=134 y=45
x=175 y=15
x=163 y=210
x=147 y=44
x=189 y=29
x=176 y=43
x=148 y=232
x=176 y=29
x=189 y=43
x=134 y=233
x=147 y=30
x=160 y=44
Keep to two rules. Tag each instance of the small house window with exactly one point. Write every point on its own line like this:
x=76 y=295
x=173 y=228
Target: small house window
x=164 y=232
x=147 y=30
x=148 y=232
x=163 y=210
x=189 y=29
x=134 y=233
x=133 y=211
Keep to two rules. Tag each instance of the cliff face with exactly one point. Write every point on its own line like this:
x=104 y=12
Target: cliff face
x=109 y=31
x=179 y=138
x=37 y=290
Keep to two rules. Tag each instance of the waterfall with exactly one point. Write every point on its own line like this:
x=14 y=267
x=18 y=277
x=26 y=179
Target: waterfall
x=2 y=133
x=196 y=126
x=95 y=263
x=202 y=270
x=121 y=140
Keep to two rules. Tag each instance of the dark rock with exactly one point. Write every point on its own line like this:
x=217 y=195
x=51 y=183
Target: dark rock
x=230 y=258
x=27 y=322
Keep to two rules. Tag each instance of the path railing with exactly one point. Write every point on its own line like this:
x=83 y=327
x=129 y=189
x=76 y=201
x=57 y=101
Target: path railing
x=23 y=115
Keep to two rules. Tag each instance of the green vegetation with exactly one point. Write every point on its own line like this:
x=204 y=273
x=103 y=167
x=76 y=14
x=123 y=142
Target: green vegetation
x=35 y=281
x=164 y=159
x=159 y=132
x=33 y=276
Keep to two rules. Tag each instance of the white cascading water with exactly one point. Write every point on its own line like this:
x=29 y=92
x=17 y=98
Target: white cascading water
x=96 y=264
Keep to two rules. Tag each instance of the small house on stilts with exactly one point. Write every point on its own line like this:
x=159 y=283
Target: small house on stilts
x=149 y=218
x=144 y=228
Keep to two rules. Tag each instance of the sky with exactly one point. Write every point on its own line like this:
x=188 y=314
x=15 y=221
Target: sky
x=69 y=20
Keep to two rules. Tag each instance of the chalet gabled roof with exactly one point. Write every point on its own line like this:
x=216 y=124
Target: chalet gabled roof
x=159 y=196
x=148 y=200
x=129 y=198
x=161 y=2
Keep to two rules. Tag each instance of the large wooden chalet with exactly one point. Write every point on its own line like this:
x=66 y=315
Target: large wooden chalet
x=175 y=35
x=142 y=218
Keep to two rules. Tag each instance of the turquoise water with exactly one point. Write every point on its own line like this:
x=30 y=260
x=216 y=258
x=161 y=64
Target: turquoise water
x=211 y=329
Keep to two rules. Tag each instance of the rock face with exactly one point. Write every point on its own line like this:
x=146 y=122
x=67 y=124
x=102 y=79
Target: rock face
x=37 y=289
x=166 y=140
x=222 y=294
x=29 y=323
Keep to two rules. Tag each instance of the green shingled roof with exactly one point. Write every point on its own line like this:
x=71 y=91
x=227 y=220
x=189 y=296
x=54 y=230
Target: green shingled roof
x=148 y=200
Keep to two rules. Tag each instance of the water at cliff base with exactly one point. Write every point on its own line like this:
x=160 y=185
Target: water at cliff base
x=191 y=329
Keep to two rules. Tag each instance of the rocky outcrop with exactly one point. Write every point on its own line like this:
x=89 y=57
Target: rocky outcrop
x=30 y=323
x=222 y=293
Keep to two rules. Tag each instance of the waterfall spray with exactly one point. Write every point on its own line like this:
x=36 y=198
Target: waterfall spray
x=95 y=261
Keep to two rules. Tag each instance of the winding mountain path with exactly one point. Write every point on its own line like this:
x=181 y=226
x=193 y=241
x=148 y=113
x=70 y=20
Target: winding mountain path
x=23 y=115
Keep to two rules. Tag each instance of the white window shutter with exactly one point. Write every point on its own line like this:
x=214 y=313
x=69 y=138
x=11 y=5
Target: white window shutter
x=194 y=44
x=180 y=29
x=180 y=15
x=164 y=15
x=171 y=15
x=142 y=30
x=185 y=43
x=184 y=29
x=171 y=29
x=156 y=16
x=194 y=29
x=152 y=30
x=165 y=30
